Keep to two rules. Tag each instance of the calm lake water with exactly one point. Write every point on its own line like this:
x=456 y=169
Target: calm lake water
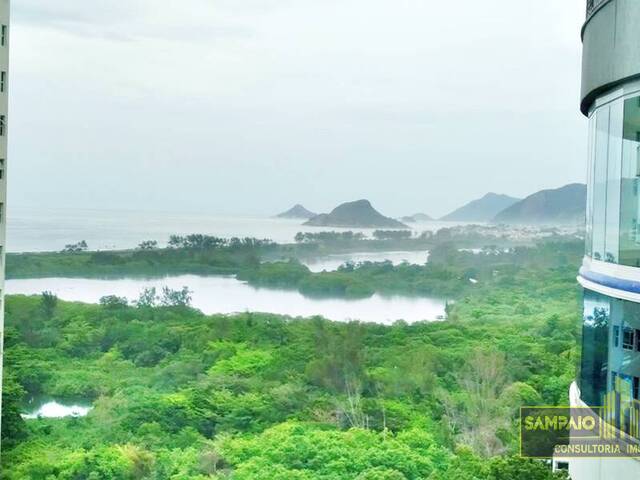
x=43 y=229
x=214 y=294
x=331 y=263
x=54 y=409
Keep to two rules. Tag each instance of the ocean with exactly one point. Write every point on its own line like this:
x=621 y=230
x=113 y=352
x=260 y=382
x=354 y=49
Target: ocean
x=50 y=229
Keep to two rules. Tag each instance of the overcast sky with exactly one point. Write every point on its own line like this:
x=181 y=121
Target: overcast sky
x=249 y=106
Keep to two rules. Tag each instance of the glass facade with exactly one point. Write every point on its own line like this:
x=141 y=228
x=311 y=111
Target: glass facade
x=630 y=184
x=610 y=348
x=610 y=365
x=610 y=361
x=613 y=197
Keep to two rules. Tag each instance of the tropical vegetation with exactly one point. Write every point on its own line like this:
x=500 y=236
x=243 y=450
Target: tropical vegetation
x=180 y=395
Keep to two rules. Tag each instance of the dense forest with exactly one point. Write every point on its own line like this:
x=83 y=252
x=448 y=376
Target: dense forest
x=181 y=395
x=206 y=254
x=451 y=271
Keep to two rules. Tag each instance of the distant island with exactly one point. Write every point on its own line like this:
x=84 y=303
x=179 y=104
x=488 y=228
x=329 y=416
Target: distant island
x=418 y=217
x=297 y=211
x=481 y=210
x=358 y=214
x=564 y=205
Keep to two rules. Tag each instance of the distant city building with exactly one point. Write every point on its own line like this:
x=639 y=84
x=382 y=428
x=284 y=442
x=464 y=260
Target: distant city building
x=610 y=274
x=4 y=103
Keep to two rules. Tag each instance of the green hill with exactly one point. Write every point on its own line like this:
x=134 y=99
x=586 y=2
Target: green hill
x=481 y=210
x=358 y=214
x=297 y=211
x=564 y=205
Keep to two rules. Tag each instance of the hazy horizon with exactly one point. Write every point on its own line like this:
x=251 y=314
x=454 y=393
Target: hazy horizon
x=106 y=208
x=249 y=108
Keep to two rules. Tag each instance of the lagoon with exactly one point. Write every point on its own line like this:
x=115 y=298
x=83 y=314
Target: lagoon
x=330 y=263
x=54 y=409
x=227 y=295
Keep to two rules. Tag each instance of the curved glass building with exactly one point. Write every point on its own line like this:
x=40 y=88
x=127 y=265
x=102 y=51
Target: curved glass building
x=610 y=274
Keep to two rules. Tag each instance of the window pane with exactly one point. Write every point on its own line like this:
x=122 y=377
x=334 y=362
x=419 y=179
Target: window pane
x=630 y=200
x=600 y=183
x=628 y=337
x=614 y=165
x=595 y=348
x=606 y=362
x=627 y=361
x=590 y=176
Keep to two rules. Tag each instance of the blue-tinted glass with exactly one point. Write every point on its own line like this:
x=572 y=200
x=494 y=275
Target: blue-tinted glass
x=610 y=348
x=595 y=348
x=614 y=165
x=627 y=361
x=590 y=177
x=600 y=182
x=630 y=185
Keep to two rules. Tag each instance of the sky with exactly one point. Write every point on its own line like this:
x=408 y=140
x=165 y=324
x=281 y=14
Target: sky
x=245 y=107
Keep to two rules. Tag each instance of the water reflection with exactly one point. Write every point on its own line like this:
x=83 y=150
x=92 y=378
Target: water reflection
x=330 y=263
x=46 y=229
x=53 y=409
x=215 y=294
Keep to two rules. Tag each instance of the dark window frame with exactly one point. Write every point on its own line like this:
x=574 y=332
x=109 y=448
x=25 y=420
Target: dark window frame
x=628 y=343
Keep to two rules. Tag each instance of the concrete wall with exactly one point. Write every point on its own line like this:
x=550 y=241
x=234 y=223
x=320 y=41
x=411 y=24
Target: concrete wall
x=611 y=49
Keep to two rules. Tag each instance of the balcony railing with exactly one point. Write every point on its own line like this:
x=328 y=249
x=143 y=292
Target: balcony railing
x=592 y=6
